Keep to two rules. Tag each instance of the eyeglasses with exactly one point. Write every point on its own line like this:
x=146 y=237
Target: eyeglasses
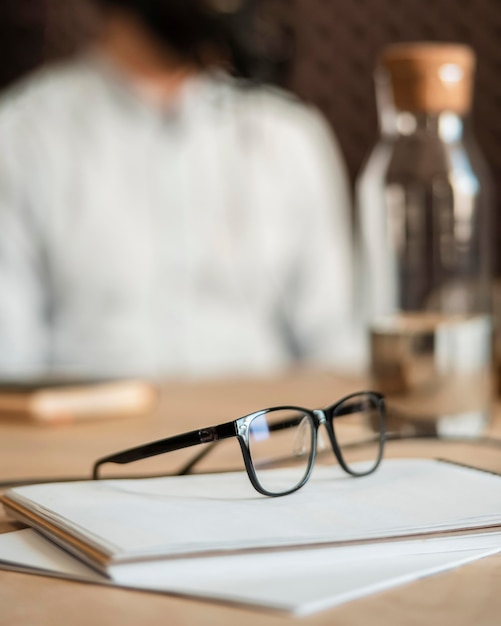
x=287 y=436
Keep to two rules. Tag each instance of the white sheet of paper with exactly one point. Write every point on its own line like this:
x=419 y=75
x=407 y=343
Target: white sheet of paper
x=299 y=581
x=26 y=549
x=199 y=514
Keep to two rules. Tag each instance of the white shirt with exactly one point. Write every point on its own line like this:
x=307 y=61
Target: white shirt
x=208 y=237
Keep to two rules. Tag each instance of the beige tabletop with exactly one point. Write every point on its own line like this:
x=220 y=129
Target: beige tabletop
x=468 y=595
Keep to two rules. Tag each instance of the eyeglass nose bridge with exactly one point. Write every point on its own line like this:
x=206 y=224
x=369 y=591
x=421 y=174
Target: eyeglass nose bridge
x=320 y=416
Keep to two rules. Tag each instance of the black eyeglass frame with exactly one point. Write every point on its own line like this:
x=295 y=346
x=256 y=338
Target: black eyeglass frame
x=240 y=428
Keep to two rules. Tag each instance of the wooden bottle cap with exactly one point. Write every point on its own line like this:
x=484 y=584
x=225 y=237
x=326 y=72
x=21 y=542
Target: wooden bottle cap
x=430 y=77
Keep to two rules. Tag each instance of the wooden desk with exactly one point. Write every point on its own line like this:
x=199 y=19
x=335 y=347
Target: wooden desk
x=466 y=596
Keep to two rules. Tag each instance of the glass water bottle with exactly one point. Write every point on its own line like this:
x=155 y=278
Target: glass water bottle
x=424 y=220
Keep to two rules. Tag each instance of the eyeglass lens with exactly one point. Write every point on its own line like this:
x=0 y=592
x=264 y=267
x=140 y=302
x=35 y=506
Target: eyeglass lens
x=285 y=438
x=281 y=438
x=358 y=424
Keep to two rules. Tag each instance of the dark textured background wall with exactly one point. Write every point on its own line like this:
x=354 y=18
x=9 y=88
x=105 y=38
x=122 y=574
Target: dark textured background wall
x=22 y=37
x=338 y=42
x=336 y=45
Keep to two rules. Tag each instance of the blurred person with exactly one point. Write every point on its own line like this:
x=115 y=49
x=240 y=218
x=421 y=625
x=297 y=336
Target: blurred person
x=159 y=216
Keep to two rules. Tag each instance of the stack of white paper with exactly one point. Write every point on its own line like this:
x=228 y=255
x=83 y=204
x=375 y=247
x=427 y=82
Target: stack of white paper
x=143 y=529
x=298 y=581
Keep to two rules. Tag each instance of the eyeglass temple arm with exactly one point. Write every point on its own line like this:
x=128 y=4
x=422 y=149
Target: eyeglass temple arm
x=186 y=469
x=178 y=442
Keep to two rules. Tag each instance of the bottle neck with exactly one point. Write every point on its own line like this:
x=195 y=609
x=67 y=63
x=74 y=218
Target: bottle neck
x=445 y=126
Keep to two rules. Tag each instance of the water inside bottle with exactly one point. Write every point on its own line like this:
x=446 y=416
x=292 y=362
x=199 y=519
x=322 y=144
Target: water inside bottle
x=435 y=371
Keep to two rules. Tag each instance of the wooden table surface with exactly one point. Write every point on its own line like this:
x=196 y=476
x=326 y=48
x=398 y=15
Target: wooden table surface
x=470 y=595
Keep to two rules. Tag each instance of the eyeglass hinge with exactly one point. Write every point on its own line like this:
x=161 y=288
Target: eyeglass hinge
x=206 y=435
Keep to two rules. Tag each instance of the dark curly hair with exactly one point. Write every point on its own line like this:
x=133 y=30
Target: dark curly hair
x=192 y=27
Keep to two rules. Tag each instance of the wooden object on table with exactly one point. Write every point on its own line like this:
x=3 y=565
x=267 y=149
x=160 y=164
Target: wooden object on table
x=48 y=402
